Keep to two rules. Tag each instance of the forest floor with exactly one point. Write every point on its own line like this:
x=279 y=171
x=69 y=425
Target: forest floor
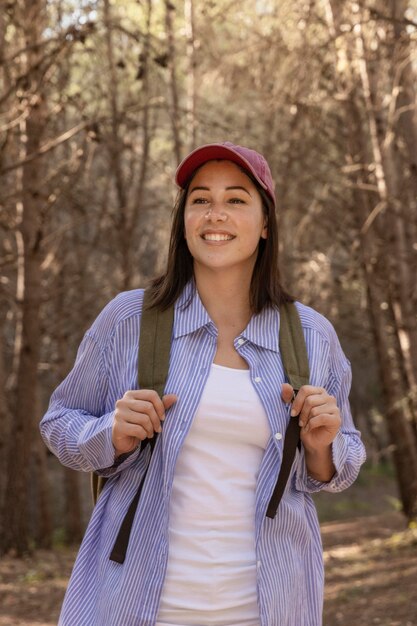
x=370 y=563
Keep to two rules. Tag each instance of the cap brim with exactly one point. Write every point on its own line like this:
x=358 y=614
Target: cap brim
x=210 y=152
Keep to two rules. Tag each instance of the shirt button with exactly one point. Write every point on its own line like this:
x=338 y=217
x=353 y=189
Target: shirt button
x=258 y=564
x=278 y=436
x=257 y=379
x=240 y=341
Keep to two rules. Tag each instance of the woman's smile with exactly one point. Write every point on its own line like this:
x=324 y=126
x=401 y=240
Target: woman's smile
x=217 y=237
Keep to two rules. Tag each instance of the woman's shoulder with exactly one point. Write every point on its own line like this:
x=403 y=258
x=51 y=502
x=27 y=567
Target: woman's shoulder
x=123 y=309
x=314 y=321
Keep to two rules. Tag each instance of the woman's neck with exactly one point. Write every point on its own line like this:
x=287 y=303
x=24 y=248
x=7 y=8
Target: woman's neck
x=225 y=296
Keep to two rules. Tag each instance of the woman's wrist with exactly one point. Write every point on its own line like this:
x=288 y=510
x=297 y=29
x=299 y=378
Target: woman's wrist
x=120 y=456
x=319 y=463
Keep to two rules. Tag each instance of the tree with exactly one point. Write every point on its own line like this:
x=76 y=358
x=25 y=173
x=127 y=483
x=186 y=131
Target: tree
x=382 y=227
x=29 y=223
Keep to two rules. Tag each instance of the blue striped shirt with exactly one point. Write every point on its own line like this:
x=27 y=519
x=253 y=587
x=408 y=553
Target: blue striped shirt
x=77 y=428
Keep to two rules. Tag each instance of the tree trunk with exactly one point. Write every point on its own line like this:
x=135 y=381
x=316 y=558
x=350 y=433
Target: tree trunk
x=406 y=80
x=383 y=326
x=175 y=112
x=191 y=75
x=405 y=124
x=4 y=425
x=138 y=216
x=390 y=182
x=116 y=151
x=16 y=529
x=380 y=230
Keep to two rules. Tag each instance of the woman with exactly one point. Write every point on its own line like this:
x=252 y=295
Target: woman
x=201 y=551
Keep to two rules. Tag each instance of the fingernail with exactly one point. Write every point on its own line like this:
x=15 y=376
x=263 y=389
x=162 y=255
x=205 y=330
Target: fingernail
x=293 y=412
x=163 y=417
x=300 y=423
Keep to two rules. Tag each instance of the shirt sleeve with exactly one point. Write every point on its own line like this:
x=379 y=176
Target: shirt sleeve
x=348 y=451
x=75 y=428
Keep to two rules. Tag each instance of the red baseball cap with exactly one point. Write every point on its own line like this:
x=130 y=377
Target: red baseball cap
x=248 y=159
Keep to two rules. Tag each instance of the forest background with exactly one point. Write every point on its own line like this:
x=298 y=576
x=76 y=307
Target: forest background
x=100 y=100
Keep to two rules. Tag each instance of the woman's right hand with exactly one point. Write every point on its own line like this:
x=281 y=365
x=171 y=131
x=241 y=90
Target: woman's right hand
x=138 y=415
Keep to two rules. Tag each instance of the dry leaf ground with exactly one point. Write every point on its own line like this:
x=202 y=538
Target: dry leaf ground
x=371 y=577
x=370 y=560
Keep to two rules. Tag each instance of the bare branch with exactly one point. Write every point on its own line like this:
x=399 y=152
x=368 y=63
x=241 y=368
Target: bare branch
x=405 y=21
x=372 y=216
x=47 y=147
x=73 y=31
x=50 y=145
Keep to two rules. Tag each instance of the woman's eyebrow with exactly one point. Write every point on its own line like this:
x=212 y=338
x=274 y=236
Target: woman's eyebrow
x=227 y=189
x=238 y=187
x=199 y=189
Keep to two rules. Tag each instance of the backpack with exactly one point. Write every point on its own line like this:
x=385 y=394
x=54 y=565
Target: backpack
x=154 y=350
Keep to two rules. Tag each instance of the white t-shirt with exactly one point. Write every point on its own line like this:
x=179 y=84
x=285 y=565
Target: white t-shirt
x=211 y=572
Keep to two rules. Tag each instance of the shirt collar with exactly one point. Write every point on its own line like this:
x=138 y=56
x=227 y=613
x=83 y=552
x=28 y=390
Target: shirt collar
x=263 y=329
x=190 y=315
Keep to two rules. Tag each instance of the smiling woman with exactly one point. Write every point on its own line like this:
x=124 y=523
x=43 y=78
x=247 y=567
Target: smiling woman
x=224 y=222
x=256 y=179
x=203 y=547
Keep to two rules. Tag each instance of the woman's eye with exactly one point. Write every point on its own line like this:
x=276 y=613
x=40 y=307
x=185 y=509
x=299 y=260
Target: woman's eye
x=237 y=201
x=199 y=201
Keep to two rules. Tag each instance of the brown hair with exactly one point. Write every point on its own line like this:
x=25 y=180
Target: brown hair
x=265 y=288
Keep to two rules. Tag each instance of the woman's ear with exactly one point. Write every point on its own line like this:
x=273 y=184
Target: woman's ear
x=264 y=233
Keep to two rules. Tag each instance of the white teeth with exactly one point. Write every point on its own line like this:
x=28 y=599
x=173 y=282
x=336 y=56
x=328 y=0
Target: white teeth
x=217 y=237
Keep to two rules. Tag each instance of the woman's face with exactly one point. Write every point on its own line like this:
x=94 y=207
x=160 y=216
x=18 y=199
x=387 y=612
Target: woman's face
x=223 y=218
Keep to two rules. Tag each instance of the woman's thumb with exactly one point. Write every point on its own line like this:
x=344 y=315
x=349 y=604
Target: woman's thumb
x=168 y=400
x=287 y=392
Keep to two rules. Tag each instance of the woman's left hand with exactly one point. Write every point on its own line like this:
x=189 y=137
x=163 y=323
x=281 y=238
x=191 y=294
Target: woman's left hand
x=318 y=413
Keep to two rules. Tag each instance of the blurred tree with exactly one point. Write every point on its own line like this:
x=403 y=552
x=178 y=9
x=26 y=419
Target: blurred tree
x=384 y=205
x=29 y=224
x=191 y=80
x=175 y=113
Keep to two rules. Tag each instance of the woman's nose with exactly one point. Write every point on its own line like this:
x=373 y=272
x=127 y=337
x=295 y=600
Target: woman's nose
x=216 y=213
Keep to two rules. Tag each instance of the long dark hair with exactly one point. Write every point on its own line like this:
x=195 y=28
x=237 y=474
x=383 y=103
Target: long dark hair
x=265 y=288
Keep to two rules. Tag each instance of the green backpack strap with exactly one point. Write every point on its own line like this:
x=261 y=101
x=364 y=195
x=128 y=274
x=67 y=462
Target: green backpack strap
x=292 y=346
x=154 y=349
x=154 y=346
x=154 y=352
x=295 y=361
